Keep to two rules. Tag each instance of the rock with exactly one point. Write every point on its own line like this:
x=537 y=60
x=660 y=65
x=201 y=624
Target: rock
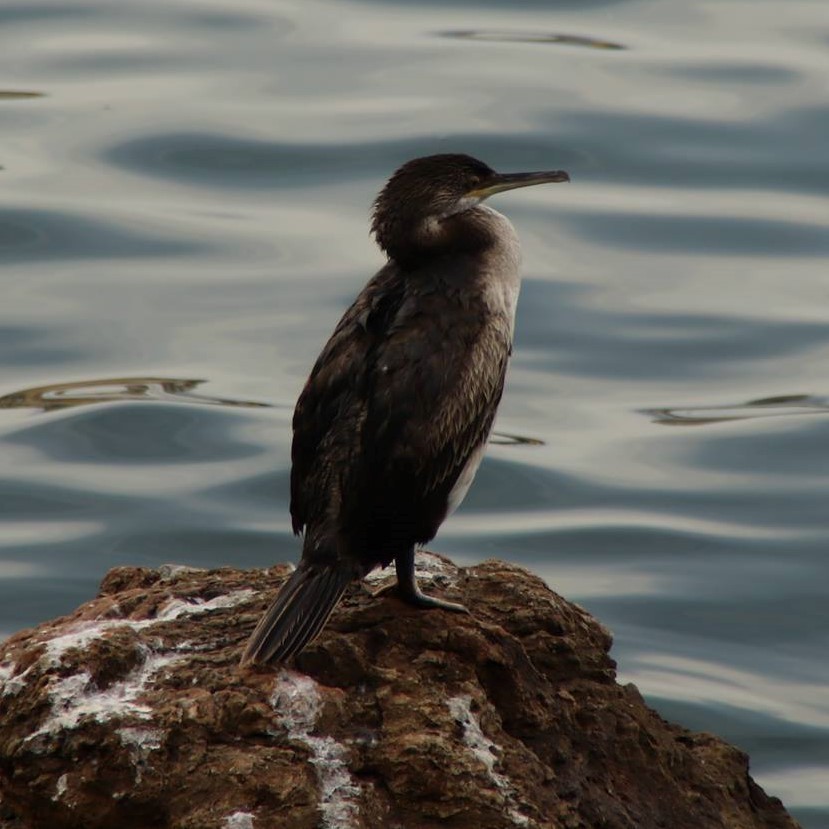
x=133 y=712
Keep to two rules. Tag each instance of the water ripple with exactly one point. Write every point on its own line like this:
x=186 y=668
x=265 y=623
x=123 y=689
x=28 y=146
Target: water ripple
x=29 y=236
x=19 y=95
x=110 y=390
x=784 y=405
x=783 y=151
x=571 y=333
x=494 y=36
x=131 y=433
x=703 y=235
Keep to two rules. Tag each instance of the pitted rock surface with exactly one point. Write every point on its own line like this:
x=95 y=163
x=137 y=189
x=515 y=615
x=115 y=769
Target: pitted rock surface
x=133 y=712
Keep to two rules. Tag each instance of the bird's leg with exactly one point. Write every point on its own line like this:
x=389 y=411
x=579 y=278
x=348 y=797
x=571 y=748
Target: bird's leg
x=408 y=590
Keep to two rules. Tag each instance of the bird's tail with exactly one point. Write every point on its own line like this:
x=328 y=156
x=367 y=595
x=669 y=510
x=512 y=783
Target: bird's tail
x=298 y=613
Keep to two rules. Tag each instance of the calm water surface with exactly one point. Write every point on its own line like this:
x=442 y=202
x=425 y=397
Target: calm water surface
x=183 y=216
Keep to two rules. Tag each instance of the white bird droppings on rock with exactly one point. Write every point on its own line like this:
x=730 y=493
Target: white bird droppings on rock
x=60 y=788
x=171 y=572
x=140 y=742
x=176 y=608
x=239 y=820
x=143 y=740
x=428 y=567
x=296 y=701
x=76 y=696
x=81 y=634
x=9 y=684
x=484 y=750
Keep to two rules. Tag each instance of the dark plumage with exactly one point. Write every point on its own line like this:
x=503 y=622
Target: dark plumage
x=392 y=422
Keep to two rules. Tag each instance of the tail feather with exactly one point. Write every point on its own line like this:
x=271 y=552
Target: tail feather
x=311 y=620
x=298 y=613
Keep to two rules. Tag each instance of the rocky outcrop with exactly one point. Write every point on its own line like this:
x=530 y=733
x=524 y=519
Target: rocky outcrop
x=133 y=712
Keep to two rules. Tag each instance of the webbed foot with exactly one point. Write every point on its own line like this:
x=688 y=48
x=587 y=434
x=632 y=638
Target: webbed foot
x=407 y=590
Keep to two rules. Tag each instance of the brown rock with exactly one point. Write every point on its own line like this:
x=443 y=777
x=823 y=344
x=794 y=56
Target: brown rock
x=133 y=712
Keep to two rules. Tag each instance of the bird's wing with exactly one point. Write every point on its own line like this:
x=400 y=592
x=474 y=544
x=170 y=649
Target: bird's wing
x=328 y=415
x=434 y=391
x=402 y=394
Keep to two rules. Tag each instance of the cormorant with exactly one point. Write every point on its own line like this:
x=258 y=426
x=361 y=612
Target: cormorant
x=393 y=421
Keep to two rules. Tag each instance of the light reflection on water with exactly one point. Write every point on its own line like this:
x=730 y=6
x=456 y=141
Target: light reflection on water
x=87 y=392
x=784 y=405
x=185 y=195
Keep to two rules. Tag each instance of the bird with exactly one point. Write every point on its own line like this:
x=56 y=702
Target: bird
x=393 y=421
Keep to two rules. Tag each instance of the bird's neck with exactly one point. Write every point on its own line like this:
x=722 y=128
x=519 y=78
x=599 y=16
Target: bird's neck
x=475 y=263
x=498 y=266
x=479 y=230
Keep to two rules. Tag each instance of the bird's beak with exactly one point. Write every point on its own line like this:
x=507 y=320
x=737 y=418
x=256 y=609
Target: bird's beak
x=511 y=181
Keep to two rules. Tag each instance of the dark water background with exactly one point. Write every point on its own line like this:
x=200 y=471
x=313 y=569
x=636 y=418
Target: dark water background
x=184 y=198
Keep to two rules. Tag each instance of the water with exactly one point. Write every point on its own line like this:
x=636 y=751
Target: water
x=183 y=217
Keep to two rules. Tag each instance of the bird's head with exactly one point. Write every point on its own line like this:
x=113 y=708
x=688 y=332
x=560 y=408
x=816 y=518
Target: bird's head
x=426 y=192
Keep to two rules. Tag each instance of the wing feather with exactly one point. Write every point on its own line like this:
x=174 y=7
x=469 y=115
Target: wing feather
x=329 y=407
